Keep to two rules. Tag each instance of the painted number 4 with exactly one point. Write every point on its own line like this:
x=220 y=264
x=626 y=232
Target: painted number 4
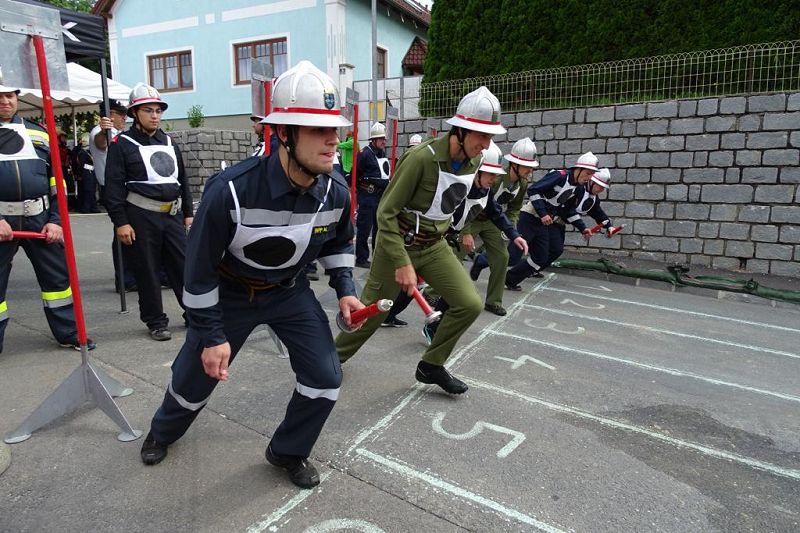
x=477 y=429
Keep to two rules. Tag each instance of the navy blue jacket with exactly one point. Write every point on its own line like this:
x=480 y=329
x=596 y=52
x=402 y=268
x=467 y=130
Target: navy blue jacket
x=368 y=172
x=266 y=198
x=28 y=179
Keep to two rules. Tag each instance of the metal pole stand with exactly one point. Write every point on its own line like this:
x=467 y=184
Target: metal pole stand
x=21 y=23
x=278 y=344
x=85 y=384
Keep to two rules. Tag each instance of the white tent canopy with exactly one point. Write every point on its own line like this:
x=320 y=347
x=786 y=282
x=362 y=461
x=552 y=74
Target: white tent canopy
x=84 y=94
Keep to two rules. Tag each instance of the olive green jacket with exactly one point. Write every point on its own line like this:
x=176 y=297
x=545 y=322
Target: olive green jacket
x=412 y=187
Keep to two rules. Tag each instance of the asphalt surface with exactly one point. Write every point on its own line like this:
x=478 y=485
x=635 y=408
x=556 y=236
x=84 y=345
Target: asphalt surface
x=594 y=405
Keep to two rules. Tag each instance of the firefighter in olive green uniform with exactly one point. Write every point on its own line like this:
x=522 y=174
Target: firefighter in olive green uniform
x=508 y=194
x=415 y=212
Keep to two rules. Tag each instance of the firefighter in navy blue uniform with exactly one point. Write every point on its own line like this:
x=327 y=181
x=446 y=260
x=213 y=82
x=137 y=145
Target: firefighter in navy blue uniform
x=541 y=219
x=479 y=201
x=260 y=222
x=371 y=181
x=149 y=201
x=587 y=203
x=28 y=203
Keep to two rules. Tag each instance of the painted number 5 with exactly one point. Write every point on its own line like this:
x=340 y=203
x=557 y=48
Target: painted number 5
x=476 y=430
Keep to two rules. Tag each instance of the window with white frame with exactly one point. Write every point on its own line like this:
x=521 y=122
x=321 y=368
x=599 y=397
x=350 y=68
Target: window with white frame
x=171 y=71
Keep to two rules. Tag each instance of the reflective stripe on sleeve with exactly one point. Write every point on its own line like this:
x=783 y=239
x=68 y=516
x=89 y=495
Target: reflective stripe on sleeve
x=337 y=261
x=311 y=392
x=201 y=301
x=3 y=311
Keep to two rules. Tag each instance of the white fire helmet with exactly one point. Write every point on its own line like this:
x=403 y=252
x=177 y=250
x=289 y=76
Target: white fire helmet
x=144 y=94
x=479 y=111
x=523 y=153
x=306 y=96
x=602 y=177
x=377 y=131
x=415 y=139
x=492 y=160
x=6 y=89
x=587 y=161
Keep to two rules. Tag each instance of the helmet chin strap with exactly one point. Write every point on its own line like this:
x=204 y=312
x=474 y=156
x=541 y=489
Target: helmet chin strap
x=290 y=144
x=460 y=135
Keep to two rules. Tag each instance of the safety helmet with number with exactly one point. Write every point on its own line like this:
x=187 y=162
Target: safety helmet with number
x=144 y=94
x=306 y=96
x=492 y=160
x=523 y=153
x=587 y=161
x=6 y=89
x=479 y=111
x=415 y=139
x=377 y=131
x=602 y=177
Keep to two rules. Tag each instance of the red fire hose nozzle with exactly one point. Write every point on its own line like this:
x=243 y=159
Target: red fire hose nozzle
x=28 y=235
x=381 y=306
x=431 y=316
x=612 y=230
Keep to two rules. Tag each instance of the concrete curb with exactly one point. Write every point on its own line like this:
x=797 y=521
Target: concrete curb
x=5 y=456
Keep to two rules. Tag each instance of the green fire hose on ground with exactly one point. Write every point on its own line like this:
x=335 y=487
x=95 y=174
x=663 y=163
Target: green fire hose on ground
x=678 y=276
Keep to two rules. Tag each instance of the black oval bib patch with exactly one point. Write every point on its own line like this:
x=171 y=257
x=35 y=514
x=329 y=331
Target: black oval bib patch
x=10 y=141
x=270 y=251
x=453 y=196
x=163 y=164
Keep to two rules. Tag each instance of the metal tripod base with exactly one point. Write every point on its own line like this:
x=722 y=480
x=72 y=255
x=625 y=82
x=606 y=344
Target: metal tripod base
x=278 y=344
x=85 y=384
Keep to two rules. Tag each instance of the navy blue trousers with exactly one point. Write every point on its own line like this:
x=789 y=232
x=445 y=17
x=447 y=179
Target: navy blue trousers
x=545 y=245
x=366 y=224
x=297 y=318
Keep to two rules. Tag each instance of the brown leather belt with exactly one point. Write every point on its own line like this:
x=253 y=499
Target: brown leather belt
x=367 y=188
x=251 y=285
x=417 y=240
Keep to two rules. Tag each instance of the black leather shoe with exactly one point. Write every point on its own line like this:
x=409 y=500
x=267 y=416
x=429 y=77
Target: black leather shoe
x=363 y=264
x=438 y=375
x=394 y=322
x=497 y=309
x=511 y=287
x=301 y=472
x=152 y=452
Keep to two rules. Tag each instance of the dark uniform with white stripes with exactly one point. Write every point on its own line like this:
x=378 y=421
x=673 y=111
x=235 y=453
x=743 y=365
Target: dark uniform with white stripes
x=587 y=204
x=146 y=187
x=550 y=195
x=253 y=235
x=28 y=203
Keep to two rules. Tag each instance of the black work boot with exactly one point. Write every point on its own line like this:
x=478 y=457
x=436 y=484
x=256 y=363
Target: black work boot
x=153 y=452
x=301 y=472
x=438 y=375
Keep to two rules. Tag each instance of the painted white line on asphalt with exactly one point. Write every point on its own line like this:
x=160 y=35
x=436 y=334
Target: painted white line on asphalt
x=666 y=370
x=457 y=491
x=415 y=392
x=705 y=450
x=675 y=310
x=761 y=349
x=270 y=519
x=519 y=361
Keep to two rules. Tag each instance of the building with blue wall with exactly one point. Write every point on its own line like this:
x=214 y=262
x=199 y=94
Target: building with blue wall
x=197 y=52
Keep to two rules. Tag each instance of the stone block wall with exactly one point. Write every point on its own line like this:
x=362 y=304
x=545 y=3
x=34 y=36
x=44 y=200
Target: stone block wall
x=711 y=182
x=204 y=150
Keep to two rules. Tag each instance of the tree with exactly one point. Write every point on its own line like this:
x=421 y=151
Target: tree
x=469 y=38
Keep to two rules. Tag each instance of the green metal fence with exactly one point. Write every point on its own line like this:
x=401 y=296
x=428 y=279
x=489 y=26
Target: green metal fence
x=757 y=68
